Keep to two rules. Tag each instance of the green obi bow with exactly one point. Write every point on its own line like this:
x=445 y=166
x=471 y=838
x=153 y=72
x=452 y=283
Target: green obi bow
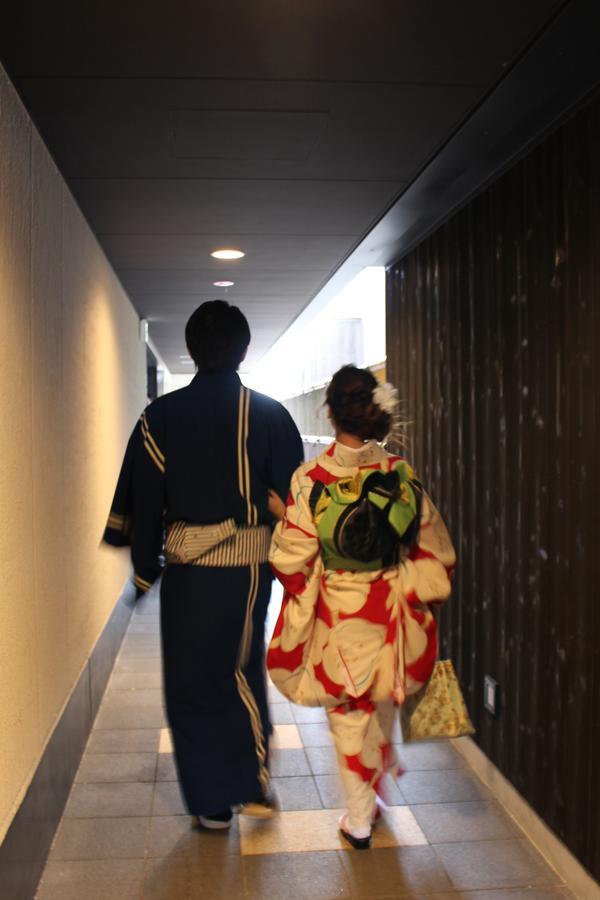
x=363 y=520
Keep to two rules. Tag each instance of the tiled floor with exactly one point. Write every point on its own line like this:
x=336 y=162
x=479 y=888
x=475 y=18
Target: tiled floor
x=125 y=833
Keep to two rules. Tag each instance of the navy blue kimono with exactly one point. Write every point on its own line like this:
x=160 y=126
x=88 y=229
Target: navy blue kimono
x=206 y=456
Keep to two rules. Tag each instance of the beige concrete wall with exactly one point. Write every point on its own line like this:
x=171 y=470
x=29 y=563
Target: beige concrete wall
x=72 y=382
x=309 y=410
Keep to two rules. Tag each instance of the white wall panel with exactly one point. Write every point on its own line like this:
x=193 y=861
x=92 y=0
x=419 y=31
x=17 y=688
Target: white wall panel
x=72 y=382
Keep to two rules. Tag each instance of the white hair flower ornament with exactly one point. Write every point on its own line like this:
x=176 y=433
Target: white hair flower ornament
x=386 y=397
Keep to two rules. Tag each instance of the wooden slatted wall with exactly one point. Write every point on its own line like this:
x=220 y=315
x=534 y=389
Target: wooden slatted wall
x=492 y=338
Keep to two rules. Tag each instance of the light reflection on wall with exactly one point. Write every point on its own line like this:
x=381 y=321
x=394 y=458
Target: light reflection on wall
x=107 y=376
x=350 y=329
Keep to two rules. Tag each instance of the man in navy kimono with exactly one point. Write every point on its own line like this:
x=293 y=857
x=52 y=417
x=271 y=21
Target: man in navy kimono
x=202 y=477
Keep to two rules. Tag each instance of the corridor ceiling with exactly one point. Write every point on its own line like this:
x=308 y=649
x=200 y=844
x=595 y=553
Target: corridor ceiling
x=285 y=129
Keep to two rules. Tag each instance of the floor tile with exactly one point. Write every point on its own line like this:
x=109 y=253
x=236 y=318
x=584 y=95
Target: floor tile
x=165 y=744
x=305 y=876
x=288 y=762
x=182 y=878
x=322 y=760
x=148 y=601
x=286 y=737
x=140 y=645
x=316 y=830
x=308 y=714
x=117 y=767
x=132 y=638
x=166 y=770
x=123 y=681
x=143 y=740
x=93 y=801
x=137 y=664
x=168 y=800
x=546 y=893
x=430 y=755
x=494 y=864
x=398 y=828
x=149 y=717
x=281 y=714
x=298 y=792
x=141 y=640
x=332 y=794
x=137 y=627
x=483 y=820
x=391 y=794
x=441 y=895
x=100 y=839
x=397 y=731
x=133 y=699
x=451 y=786
x=316 y=735
x=174 y=836
x=97 y=879
x=274 y=696
x=140 y=651
x=331 y=791
x=395 y=872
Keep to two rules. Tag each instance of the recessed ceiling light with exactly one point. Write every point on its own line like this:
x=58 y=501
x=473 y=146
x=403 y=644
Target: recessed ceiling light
x=223 y=283
x=227 y=253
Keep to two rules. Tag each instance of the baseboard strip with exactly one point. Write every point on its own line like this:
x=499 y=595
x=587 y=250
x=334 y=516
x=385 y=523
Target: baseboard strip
x=26 y=845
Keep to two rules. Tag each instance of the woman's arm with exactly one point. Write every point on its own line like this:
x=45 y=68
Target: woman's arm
x=295 y=560
x=428 y=567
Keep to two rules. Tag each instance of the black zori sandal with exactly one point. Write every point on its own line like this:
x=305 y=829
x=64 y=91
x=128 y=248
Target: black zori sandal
x=357 y=843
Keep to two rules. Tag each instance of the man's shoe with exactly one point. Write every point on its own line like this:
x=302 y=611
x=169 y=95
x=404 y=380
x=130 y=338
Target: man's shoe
x=264 y=807
x=216 y=822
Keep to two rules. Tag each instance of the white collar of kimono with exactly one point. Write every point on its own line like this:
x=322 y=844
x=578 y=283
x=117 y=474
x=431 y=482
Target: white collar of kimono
x=349 y=457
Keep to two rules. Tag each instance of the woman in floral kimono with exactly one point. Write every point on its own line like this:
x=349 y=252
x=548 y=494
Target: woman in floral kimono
x=362 y=553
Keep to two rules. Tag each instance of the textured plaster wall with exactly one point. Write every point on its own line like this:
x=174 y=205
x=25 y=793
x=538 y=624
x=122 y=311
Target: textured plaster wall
x=72 y=382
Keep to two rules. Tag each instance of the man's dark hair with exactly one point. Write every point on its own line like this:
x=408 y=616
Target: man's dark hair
x=217 y=336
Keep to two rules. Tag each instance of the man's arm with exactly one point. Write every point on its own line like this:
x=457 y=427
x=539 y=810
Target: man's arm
x=148 y=501
x=287 y=452
x=120 y=519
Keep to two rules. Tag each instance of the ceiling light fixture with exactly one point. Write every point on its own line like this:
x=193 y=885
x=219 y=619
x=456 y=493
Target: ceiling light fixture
x=227 y=253
x=223 y=283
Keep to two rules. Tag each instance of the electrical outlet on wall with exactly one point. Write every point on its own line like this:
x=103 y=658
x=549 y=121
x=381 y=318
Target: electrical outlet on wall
x=490 y=694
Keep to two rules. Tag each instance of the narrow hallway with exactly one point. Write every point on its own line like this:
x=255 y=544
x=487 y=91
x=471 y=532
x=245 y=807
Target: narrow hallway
x=125 y=833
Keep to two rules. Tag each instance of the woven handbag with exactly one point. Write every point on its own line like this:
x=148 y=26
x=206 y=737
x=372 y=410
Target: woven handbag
x=438 y=710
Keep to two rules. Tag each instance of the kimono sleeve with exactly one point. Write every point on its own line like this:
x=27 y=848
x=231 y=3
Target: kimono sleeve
x=286 y=450
x=296 y=561
x=295 y=545
x=427 y=569
x=120 y=519
x=148 y=501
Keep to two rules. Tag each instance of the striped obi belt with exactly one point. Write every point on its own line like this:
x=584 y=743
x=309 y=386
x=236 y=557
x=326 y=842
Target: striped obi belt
x=224 y=544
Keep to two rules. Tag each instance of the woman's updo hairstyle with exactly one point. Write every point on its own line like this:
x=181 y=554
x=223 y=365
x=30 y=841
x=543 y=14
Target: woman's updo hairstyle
x=350 y=399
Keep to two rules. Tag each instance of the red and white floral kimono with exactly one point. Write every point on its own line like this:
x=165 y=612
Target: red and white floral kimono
x=337 y=642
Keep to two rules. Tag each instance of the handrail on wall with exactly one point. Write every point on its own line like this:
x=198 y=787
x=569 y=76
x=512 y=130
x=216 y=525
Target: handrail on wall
x=317 y=438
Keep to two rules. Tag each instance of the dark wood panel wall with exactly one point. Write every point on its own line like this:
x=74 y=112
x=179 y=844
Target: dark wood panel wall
x=492 y=339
